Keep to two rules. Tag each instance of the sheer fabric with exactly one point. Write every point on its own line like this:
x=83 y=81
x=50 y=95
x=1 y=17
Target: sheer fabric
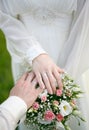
x=77 y=45
x=76 y=53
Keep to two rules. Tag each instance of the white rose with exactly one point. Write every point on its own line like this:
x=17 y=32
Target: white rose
x=65 y=108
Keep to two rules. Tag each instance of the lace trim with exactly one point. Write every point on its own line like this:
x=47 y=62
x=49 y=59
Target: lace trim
x=45 y=15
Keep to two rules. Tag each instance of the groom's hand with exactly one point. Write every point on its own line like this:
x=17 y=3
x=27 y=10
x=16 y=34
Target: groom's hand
x=25 y=89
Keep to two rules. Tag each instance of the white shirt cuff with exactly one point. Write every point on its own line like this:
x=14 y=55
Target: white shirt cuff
x=33 y=52
x=15 y=106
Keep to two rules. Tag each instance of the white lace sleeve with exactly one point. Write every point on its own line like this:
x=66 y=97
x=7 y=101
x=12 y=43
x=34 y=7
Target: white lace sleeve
x=22 y=46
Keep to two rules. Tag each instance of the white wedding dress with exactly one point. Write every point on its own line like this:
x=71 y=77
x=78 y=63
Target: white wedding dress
x=33 y=27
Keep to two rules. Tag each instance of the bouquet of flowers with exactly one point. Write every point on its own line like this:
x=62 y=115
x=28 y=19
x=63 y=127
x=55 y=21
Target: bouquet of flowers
x=50 y=112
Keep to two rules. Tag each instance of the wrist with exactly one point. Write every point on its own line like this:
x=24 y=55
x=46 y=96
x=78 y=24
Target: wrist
x=34 y=52
x=15 y=106
x=43 y=55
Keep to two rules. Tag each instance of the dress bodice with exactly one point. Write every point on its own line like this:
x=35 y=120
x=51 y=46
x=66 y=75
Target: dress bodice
x=22 y=6
x=49 y=21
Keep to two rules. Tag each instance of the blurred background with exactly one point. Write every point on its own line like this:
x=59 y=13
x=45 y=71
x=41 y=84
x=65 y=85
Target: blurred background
x=6 y=80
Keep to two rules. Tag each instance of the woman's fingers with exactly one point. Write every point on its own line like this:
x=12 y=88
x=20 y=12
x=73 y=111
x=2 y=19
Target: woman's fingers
x=60 y=70
x=47 y=73
x=47 y=82
x=58 y=78
x=52 y=81
x=39 y=79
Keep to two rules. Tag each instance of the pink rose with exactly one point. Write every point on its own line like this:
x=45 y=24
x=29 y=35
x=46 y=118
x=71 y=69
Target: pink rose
x=56 y=103
x=74 y=102
x=68 y=93
x=59 y=92
x=59 y=117
x=43 y=98
x=49 y=115
x=35 y=106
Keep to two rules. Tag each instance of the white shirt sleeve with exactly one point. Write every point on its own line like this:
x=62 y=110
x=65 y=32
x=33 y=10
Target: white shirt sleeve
x=11 y=111
x=22 y=46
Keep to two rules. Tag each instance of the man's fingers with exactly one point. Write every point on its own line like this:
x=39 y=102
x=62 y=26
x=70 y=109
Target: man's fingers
x=39 y=90
x=23 y=77
x=30 y=76
x=34 y=82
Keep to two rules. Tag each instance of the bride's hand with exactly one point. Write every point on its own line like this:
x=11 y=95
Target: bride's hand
x=47 y=73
